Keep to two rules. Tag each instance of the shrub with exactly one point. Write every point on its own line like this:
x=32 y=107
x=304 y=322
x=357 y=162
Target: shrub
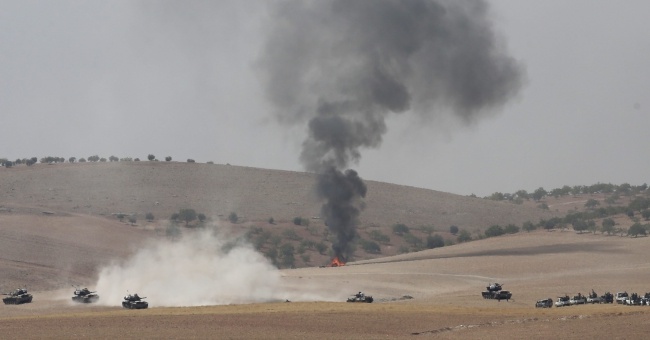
x=435 y=241
x=464 y=236
x=149 y=216
x=400 y=229
x=233 y=218
x=495 y=230
x=168 y=158
x=453 y=230
x=370 y=246
x=529 y=226
x=201 y=217
x=403 y=250
x=271 y=220
x=72 y=159
x=379 y=237
x=291 y=234
x=511 y=229
x=113 y=158
x=82 y=160
x=413 y=240
x=301 y=221
x=132 y=219
x=151 y=157
x=189 y=160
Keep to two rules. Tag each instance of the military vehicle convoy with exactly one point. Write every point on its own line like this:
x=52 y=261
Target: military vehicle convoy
x=133 y=301
x=495 y=291
x=360 y=297
x=85 y=296
x=17 y=297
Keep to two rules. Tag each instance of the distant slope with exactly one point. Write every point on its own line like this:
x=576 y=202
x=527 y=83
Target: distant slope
x=162 y=188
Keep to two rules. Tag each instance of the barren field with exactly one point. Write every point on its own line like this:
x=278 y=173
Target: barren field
x=428 y=294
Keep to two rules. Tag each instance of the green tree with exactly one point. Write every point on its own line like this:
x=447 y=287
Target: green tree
x=608 y=226
x=168 y=158
x=579 y=225
x=453 y=230
x=187 y=215
x=539 y=194
x=636 y=229
x=435 y=241
x=151 y=157
x=464 y=236
x=495 y=230
x=72 y=159
x=400 y=229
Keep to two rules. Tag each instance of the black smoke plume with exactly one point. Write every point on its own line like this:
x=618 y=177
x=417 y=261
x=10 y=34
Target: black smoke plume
x=343 y=66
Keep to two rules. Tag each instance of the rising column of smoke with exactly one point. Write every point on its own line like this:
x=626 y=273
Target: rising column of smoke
x=343 y=66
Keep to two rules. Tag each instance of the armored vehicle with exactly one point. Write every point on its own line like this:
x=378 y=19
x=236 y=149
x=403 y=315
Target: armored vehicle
x=17 y=297
x=621 y=297
x=360 y=297
x=133 y=301
x=578 y=300
x=495 y=291
x=546 y=303
x=607 y=298
x=85 y=296
x=563 y=301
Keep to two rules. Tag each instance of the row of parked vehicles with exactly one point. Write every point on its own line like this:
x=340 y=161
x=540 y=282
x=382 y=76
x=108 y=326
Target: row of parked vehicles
x=81 y=295
x=624 y=298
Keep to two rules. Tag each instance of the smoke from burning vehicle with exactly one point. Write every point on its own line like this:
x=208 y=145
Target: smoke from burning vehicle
x=342 y=67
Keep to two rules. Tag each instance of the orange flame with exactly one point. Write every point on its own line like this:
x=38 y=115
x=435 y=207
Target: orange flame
x=336 y=262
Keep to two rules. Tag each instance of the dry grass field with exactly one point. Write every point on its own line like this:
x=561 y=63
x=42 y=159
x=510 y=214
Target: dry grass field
x=427 y=294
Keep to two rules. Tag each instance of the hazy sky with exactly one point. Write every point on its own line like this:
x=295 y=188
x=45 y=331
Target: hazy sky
x=180 y=79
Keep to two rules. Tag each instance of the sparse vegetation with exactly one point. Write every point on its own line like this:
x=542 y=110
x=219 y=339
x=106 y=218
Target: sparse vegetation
x=400 y=229
x=233 y=218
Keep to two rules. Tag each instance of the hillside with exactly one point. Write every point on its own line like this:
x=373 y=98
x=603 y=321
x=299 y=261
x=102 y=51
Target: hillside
x=58 y=228
x=162 y=188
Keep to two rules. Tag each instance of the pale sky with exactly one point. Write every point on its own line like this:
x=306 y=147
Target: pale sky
x=130 y=78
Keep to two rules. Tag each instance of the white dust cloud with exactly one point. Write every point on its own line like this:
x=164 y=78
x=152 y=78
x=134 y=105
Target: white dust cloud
x=201 y=268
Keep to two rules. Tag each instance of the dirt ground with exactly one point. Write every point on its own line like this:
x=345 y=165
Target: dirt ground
x=435 y=293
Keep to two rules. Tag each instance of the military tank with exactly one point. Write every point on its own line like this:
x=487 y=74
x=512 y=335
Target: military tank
x=84 y=296
x=495 y=291
x=133 y=301
x=17 y=297
x=360 y=297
